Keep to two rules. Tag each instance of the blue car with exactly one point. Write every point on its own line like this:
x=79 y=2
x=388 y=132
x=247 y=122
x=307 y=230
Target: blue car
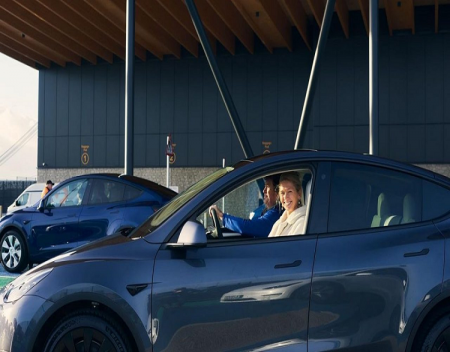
x=366 y=268
x=77 y=211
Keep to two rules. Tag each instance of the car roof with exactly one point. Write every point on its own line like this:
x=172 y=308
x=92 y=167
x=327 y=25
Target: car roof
x=35 y=187
x=331 y=155
x=150 y=185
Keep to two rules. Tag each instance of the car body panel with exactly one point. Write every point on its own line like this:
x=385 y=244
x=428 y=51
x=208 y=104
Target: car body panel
x=83 y=279
x=366 y=288
x=351 y=290
x=54 y=231
x=190 y=302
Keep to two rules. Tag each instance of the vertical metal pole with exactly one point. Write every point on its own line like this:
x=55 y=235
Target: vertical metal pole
x=373 y=78
x=168 y=167
x=129 y=89
x=223 y=89
x=307 y=105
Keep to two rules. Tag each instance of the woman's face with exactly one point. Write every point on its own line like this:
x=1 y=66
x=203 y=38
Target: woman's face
x=289 y=197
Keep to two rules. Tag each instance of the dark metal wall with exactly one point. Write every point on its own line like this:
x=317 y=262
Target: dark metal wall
x=84 y=106
x=10 y=190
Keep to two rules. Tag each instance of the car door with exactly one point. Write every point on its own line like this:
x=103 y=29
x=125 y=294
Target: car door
x=55 y=229
x=102 y=214
x=379 y=263
x=235 y=293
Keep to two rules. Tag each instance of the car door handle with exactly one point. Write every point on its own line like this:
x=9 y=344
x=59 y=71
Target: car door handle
x=424 y=251
x=288 y=265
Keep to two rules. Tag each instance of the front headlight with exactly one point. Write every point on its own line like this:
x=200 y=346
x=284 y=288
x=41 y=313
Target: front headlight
x=23 y=284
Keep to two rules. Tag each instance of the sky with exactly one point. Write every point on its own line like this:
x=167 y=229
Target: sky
x=18 y=115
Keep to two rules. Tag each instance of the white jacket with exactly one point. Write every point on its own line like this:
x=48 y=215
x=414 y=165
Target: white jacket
x=291 y=224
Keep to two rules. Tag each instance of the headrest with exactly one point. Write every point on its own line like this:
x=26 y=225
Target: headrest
x=383 y=205
x=409 y=206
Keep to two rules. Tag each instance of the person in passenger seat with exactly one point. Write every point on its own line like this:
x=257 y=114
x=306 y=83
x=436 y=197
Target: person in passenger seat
x=290 y=193
x=257 y=226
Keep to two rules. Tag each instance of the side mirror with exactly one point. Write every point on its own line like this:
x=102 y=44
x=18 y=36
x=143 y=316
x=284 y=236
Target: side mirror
x=192 y=234
x=17 y=203
x=41 y=205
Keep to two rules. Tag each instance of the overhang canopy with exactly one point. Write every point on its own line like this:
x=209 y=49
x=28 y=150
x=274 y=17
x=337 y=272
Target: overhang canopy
x=44 y=33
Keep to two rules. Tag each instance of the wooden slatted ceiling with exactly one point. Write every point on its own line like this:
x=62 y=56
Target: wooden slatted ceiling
x=46 y=33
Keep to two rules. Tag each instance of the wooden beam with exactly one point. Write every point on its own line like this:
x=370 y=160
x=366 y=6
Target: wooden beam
x=43 y=27
x=261 y=35
x=342 y=12
x=364 y=6
x=17 y=56
x=118 y=18
x=181 y=14
x=23 y=50
x=60 y=25
x=165 y=20
x=280 y=21
x=235 y=22
x=103 y=25
x=387 y=8
x=298 y=15
x=147 y=27
x=436 y=16
x=212 y=42
x=317 y=8
x=30 y=43
x=49 y=43
x=400 y=15
x=212 y=21
x=84 y=26
x=411 y=10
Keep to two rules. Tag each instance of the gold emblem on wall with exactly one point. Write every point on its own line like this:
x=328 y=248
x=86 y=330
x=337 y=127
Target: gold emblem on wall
x=266 y=147
x=85 y=155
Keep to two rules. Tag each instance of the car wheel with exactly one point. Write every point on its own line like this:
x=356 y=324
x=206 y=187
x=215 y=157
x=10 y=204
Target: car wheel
x=88 y=331
x=14 y=255
x=435 y=334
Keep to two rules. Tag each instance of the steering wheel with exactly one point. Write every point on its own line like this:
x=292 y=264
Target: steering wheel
x=218 y=230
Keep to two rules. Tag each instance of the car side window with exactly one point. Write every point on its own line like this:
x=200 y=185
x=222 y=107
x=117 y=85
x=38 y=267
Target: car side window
x=131 y=193
x=363 y=197
x=248 y=211
x=22 y=199
x=69 y=195
x=436 y=200
x=106 y=191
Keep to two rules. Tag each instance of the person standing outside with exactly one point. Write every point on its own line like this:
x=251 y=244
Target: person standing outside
x=260 y=226
x=48 y=187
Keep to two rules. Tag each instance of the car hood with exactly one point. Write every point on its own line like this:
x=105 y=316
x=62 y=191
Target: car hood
x=115 y=248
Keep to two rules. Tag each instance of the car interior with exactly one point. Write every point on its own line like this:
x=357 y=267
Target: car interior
x=359 y=200
x=246 y=202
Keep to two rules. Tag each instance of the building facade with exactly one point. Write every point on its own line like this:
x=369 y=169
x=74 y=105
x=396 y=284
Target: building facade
x=81 y=109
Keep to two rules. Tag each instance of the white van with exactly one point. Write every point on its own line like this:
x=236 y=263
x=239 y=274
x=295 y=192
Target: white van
x=27 y=198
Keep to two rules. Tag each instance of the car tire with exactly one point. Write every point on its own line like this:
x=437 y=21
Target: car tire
x=434 y=333
x=14 y=254
x=87 y=330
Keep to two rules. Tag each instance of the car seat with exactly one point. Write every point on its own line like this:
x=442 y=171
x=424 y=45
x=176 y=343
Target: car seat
x=383 y=210
x=409 y=206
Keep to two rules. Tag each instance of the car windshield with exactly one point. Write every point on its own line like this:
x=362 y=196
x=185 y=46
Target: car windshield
x=178 y=201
